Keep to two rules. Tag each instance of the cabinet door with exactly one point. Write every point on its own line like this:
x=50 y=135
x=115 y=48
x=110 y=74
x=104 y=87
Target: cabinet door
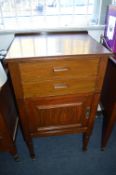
x=58 y=113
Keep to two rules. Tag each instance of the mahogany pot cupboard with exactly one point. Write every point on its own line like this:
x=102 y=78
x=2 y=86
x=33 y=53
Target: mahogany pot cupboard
x=57 y=80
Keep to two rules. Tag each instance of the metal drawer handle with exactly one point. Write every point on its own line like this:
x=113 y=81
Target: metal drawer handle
x=60 y=86
x=60 y=69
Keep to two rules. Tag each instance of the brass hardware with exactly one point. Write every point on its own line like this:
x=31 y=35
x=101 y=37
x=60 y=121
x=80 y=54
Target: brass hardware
x=60 y=69
x=60 y=86
x=87 y=112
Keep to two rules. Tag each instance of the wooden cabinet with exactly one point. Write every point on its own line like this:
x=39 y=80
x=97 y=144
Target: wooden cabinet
x=8 y=121
x=57 y=79
x=108 y=101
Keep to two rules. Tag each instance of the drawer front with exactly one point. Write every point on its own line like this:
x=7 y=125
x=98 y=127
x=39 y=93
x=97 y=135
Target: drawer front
x=59 y=87
x=58 y=69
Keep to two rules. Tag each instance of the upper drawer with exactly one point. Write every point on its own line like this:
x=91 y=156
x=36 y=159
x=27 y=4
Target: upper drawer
x=58 y=69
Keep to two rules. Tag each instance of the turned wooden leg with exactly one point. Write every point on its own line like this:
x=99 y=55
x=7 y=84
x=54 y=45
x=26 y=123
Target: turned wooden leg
x=85 y=141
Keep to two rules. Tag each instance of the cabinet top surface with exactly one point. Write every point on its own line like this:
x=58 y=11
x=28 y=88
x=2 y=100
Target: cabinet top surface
x=43 y=46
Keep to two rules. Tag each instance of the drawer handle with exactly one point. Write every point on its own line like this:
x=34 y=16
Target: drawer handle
x=60 y=69
x=60 y=86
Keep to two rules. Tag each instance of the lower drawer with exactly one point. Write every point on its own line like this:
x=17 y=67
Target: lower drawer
x=59 y=87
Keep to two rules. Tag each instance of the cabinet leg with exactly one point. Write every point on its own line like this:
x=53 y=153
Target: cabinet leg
x=85 y=141
x=28 y=140
x=31 y=149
